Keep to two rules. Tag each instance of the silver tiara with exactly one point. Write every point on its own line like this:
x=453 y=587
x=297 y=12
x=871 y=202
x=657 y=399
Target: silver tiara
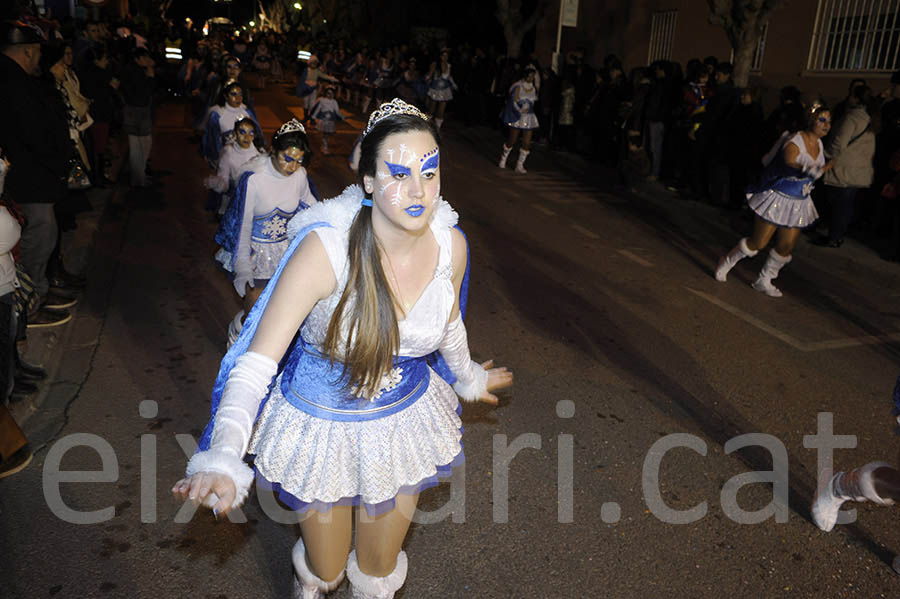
x=291 y=126
x=395 y=106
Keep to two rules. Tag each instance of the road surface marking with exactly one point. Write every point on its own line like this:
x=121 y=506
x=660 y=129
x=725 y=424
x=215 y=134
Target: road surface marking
x=546 y=211
x=635 y=258
x=793 y=342
x=804 y=346
x=585 y=232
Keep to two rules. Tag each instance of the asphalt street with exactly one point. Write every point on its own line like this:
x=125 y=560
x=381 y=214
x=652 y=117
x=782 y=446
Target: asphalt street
x=621 y=464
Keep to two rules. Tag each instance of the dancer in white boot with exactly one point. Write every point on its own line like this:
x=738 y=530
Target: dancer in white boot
x=361 y=330
x=253 y=232
x=878 y=482
x=519 y=116
x=440 y=87
x=781 y=199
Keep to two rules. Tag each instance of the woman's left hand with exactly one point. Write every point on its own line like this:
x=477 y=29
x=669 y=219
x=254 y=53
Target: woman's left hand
x=498 y=378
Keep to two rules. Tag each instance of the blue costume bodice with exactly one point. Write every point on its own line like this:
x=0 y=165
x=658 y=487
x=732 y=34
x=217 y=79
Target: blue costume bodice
x=272 y=227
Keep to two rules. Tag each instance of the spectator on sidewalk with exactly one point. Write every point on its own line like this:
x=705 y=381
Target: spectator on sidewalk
x=36 y=139
x=137 y=84
x=851 y=148
x=100 y=86
x=717 y=135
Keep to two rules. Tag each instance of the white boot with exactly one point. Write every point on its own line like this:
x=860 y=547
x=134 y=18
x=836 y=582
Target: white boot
x=306 y=584
x=234 y=329
x=737 y=253
x=363 y=586
x=774 y=263
x=856 y=485
x=520 y=163
x=506 y=150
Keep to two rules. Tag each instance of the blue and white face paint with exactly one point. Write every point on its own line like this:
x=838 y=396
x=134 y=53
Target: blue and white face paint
x=407 y=180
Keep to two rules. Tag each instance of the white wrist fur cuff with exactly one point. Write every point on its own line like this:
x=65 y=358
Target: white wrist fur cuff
x=223 y=462
x=475 y=387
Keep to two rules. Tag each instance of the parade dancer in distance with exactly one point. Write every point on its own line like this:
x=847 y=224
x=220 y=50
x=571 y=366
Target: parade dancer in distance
x=253 y=232
x=878 y=482
x=221 y=120
x=440 y=87
x=519 y=116
x=326 y=113
x=360 y=417
x=781 y=200
x=237 y=151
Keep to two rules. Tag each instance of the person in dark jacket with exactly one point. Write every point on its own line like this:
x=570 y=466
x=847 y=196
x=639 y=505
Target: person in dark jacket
x=98 y=84
x=716 y=136
x=36 y=139
x=137 y=82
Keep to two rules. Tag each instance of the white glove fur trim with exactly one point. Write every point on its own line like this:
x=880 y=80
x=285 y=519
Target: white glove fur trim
x=474 y=389
x=224 y=462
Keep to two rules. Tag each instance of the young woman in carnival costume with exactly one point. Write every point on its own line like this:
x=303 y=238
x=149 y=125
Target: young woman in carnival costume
x=239 y=148
x=361 y=416
x=781 y=199
x=519 y=116
x=440 y=87
x=253 y=233
x=221 y=120
x=326 y=113
x=878 y=482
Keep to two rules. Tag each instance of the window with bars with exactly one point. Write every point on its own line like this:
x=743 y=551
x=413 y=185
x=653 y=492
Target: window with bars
x=856 y=35
x=662 y=34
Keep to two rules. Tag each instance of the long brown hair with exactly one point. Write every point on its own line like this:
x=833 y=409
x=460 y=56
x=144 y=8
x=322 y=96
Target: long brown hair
x=367 y=303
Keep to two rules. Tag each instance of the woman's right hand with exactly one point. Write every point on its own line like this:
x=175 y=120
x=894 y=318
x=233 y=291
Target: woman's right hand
x=197 y=487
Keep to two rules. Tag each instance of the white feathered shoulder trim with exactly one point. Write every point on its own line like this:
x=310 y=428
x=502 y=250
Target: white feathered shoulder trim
x=255 y=164
x=444 y=217
x=338 y=212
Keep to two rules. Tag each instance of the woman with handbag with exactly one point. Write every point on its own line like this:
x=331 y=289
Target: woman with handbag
x=519 y=116
x=359 y=420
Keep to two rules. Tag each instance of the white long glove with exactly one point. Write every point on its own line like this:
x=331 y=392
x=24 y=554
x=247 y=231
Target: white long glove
x=471 y=378
x=241 y=280
x=247 y=384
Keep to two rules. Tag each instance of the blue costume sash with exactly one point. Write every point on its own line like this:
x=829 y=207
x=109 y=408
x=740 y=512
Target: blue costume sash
x=272 y=227
x=312 y=384
x=251 y=322
x=229 y=232
x=780 y=177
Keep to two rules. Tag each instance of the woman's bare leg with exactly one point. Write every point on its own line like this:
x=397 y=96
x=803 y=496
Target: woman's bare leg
x=327 y=538
x=379 y=539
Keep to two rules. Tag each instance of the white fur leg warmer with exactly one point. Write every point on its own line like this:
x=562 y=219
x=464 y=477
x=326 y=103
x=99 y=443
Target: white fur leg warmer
x=471 y=378
x=247 y=384
x=306 y=584
x=364 y=586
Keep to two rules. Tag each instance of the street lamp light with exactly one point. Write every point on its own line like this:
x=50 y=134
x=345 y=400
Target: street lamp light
x=252 y=23
x=298 y=6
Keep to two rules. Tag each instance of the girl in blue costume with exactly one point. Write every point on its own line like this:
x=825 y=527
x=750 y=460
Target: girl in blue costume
x=221 y=120
x=781 y=200
x=519 y=116
x=357 y=421
x=253 y=234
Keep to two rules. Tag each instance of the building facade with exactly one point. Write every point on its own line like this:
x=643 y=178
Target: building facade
x=816 y=45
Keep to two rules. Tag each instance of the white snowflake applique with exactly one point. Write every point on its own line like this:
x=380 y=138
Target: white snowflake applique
x=388 y=382
x=275 y=227
x=807 y=188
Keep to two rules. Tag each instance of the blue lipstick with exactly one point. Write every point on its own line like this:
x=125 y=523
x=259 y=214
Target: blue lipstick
x=415 y=210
